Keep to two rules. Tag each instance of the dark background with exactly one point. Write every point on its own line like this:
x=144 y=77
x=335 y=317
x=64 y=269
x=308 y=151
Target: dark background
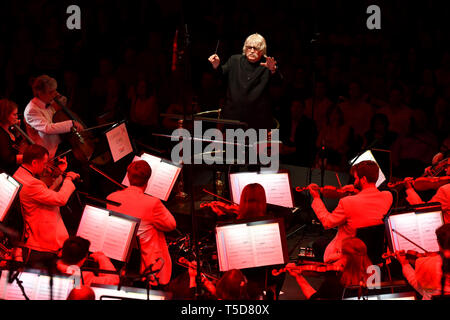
x=121 y=42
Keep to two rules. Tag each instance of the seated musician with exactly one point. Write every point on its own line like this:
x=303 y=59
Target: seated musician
x=45 y=231
x=253 y=205
x=351 y=270
x=155 y=220
x=10 y=158
x=427 y=276
x=39 y=114
x=75 y=252
x=364 y=209
x=442 y=195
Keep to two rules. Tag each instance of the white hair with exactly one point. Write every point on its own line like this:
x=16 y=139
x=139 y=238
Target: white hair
x=255 y=40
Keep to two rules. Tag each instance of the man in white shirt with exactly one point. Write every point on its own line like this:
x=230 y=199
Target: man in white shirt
x=364 y=209
x=155 y=220
x=39 y=113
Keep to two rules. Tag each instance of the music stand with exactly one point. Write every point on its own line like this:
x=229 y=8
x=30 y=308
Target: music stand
x=413 y=227
x=8 y=193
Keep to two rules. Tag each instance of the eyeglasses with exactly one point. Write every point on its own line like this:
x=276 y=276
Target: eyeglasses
x=251 y=47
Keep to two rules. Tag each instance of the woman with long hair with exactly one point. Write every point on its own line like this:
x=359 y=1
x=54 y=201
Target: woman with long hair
x=351 y=271
x=10 y=158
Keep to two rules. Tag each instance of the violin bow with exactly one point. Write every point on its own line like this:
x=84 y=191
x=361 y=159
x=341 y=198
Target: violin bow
x=215 y=195
x=393 y=230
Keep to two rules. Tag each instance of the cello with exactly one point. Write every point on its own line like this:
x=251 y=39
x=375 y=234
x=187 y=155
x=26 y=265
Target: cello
x=83 y=143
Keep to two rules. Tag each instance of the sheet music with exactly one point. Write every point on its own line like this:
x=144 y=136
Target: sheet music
x=36 y=287
x=276 y=185
x=118 y=236
x=369 y=156
x=61 y=288
x=162 y=179
x=161 y=183
x=119 y=142
x=238 y=247
x=11 y=291
x=111 y=293
x=92 y=227
x=107 y=233
x=428 y=223
x=419 y=228
x=267 y=242
x=241 y=246
x=8 y=192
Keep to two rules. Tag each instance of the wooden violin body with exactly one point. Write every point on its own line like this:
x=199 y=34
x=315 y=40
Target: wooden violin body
x=221 y=208
x=423 y=183
x=333 y=192
x=313 y=269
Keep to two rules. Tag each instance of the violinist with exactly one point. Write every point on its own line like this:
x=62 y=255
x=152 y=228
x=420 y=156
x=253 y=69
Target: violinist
x=442 y=194
x=10 y=158
x=45 y=231
x=431 y=273
x=367 y=208
x=39 y=113
x=353 y=263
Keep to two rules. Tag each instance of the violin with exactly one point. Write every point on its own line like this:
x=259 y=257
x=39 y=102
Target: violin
x=313 y=269
x=410 y=254
x=25 y=140
x=422 y=183
x=182 y=261
x=333 y=192
x=437 y=168
x=221 y=208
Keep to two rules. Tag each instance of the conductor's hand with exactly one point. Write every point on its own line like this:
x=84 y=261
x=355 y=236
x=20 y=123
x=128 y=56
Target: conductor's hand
x=314 y=190
x=270 y=64
x=215 y=60
x=72 y=175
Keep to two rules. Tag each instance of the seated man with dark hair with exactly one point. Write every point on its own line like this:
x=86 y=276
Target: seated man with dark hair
x=45 y=231
x=366 y=208
x=75 y=252
x=155 y=220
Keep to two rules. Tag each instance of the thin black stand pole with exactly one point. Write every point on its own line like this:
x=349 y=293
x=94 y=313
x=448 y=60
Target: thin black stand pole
x=190 y=167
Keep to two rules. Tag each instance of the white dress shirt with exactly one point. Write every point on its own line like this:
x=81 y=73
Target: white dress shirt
x=365 y=209
x=41 y=128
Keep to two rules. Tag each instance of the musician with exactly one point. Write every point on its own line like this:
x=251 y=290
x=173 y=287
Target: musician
x=45 y=231
x=249 y=76
x=75 y=252
x=364 y=209
x=426 y=278
x=39 y=115
x=10 y=158
x=353 y=262
x=155 y=220
x=442 y=195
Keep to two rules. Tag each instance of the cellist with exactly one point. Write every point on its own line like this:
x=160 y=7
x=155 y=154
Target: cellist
x=39 y=115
